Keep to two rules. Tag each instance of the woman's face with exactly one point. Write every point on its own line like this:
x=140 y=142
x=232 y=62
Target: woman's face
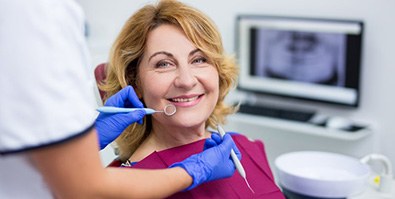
x=174 y=71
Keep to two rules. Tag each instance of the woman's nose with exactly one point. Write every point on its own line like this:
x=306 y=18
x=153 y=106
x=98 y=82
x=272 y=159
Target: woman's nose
x=185 y=78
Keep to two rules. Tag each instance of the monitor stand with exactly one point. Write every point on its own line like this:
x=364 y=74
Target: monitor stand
x=277 y=112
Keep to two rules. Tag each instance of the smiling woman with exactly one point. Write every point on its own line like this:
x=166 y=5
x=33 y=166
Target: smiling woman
x=163 y=47
x=171 y=53
x=174 y=71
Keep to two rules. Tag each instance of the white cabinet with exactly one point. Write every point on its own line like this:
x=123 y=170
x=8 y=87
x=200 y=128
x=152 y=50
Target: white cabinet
x=282 y=136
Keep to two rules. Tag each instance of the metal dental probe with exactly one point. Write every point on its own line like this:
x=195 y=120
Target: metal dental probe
x=236 y=160
x=110 y=109
x=168 y=110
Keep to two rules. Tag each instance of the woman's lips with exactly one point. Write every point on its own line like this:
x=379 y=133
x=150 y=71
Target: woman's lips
x=186 y=101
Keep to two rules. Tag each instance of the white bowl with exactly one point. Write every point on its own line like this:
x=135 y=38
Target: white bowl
x=321 y=174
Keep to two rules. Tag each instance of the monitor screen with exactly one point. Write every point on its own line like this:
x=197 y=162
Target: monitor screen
x=310 y=59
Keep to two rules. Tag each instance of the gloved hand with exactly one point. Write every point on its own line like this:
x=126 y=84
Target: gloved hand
x=213 y=163
x=110 y=125
x=215 y=140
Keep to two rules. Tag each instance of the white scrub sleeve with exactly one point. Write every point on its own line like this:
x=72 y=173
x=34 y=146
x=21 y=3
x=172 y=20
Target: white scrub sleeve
x=45 y=81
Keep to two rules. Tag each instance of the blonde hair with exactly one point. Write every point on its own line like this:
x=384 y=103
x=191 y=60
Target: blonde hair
x=128 y=49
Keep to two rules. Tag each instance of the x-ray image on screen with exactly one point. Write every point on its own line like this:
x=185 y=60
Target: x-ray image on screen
x=310 y=57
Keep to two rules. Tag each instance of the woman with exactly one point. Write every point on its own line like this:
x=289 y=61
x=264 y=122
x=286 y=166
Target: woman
x=173 y=54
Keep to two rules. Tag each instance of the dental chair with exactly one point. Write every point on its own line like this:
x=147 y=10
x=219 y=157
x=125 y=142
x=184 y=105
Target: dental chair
x=100 y=76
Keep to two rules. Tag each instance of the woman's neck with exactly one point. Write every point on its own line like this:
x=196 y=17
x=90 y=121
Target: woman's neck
x=166 y=137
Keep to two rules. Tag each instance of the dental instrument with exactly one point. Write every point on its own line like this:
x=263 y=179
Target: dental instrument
x=236 y=160
x=168 y=110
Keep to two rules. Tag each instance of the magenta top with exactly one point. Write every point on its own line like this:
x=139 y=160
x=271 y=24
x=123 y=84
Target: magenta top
x=253 y=159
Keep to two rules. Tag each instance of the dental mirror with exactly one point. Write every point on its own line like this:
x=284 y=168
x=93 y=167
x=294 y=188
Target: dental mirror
x=169 y=110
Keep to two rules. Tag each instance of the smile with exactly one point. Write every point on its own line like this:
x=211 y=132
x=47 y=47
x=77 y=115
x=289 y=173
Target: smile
x=184 y=99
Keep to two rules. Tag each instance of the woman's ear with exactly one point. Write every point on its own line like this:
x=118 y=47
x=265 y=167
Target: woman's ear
x=136 y=86
x=139 y=94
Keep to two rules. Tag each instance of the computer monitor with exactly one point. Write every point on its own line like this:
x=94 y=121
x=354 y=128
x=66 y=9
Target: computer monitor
x=304 y=58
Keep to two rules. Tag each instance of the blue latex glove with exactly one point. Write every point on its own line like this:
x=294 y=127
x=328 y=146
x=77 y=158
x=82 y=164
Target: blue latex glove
x=215 y=140
x=212 y=164
x=110 y=126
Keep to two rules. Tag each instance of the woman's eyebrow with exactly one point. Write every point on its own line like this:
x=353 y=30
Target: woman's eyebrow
x=171 y=55
x=194 y=51
x=160 y=52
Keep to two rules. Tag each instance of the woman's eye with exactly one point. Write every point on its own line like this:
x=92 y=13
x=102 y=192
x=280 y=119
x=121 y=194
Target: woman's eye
x=162 y=64
x=200 y=60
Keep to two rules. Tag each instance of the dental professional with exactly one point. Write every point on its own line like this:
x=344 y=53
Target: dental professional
x=49 y=129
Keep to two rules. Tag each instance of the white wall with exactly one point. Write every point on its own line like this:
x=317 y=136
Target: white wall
x=377 y=105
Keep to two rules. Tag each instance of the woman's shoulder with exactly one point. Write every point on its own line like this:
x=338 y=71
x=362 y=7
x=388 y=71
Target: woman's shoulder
x=248 y=144
x=242 y=137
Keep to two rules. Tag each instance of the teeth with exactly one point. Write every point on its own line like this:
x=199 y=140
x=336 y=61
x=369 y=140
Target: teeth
x=184 y=99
